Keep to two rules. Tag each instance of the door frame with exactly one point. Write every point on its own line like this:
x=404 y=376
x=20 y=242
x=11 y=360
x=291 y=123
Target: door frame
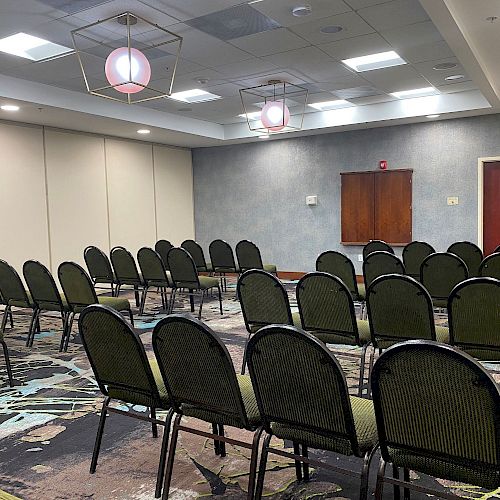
x=480 y=196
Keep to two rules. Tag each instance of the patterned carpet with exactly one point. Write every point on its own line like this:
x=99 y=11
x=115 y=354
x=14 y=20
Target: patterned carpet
x=49 y=419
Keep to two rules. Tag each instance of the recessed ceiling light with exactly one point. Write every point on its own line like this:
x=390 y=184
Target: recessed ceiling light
x=194 y=95
x=491 y=19
x=31 y=47
x=143 y=131
x=433 y=116
x=9 y=107
x=327 y=105
x=329 y=30
x=454 y=77
x=265 y=136
x=254 y=115
x=403 y=94
x=375 y=61
x=444 y=66
x=302 y=10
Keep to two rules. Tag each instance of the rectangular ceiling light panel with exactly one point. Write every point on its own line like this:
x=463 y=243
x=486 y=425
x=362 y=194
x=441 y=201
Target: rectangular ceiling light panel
x=375 y=61
x=327 y=105
x=194 y=95
x=31 y=47
x=406 y=94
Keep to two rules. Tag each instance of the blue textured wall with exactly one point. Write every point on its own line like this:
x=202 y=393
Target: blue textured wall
x=257 y=191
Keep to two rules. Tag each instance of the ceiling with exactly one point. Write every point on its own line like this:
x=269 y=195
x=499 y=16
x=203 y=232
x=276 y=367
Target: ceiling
x=228 y=45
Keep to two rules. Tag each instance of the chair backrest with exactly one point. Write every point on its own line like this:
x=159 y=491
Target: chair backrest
x=124 y=266
x=474 y=316
x=490 y=266
x=497 y=249
x=98 y=264
x=183 y=270
x=263 y=300
x=470 y=253
x=162 y=247
x=197 y=369
x=77 y=285
x=380 y=263
x=41 y=284
x=413 y=255
x=326 y=306
x=438 y=413
x=152 y=268
x=248 y=255
x=399 y=309
x=376 y=246
x=196 y=253
x=339 y=265
x=440 y=272
x=221 y=256
x=298 y=383
x=117 y=357
x=11 y=286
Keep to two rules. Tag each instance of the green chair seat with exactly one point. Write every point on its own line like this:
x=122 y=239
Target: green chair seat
x=361 y=292
x=296 y=320
x=209 y=267
x=364 y=423
x=208 y=282
x=21 y=303
x=117 y=303
x=270 y=268
x=332 y=338
x=442 y=334
x=50 y=306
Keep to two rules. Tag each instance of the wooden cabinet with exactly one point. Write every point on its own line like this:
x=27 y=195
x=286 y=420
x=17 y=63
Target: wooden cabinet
x=376 y=205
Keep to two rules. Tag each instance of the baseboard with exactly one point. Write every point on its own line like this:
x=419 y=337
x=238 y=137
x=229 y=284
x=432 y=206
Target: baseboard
x=291 y=275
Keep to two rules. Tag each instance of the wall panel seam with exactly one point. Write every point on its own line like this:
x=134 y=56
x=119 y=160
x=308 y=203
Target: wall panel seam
x=106 y=181
x=46 y=179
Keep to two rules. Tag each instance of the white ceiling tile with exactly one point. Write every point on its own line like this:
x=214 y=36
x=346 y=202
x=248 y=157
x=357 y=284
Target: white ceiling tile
x=375 y=99
x=356 y=46
x=360 y=4
x=352 y=24
x=189 y=80
x=246 y=69
x=426 y=52
x=438 y=77
x=393 y=14
x=224 y=89
x=283 y=76
x=396 y=78
x=270 y=42
x=281 y=10
x=457 y=87
x=189 y=9
x=412 y=35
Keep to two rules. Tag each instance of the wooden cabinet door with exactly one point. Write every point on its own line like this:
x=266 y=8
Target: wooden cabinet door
x=393 y=206
x=357 y=216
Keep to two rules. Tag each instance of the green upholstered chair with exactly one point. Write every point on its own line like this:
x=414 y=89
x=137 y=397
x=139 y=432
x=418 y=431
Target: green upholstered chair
x=376 y=246
x=440 y=272
x=263 y=301
x=490 y=266
x=99 y=267
x=201 y=382
x=184 y=275
x=470 y=253
x=497 y=249
x=326 y=309
x=222 y=258
x=194 y=249
x=124 y=374
x=474 y=318
x=380 y=263
x=162 y=247
x=45 y=296
x=302 y=397
x=154 y=275
x=7 y=359
x=249 y=257
x=13 y=292
x=126 y=272
x=438 y=413
x=413 y=255
x=80 y=293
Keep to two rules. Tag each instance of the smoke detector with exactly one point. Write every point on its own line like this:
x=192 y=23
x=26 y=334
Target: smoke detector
x=202 y=80
x=302 y=10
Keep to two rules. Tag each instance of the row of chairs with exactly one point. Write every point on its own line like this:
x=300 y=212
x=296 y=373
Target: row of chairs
x=399 y=309
x=435 y=410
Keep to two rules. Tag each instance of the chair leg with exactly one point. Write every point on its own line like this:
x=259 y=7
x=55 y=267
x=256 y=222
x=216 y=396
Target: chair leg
x=215 y=430
x=222 y=444
x=142 y=304
x=298 y=464
x=117 y=290
x=362 y=370
x=379 y=488
x=7 y=363
x=131 y=317
x=171 y=456
x=244 y=363
x=172 y=300
x=220 y=299
x=305 y=466
x=6 y=313
x=68 y=331
x=136 y=294
x=397 y=489
x=253 y=463
x=163 y=453
x=365 y=471
x=202 y=298
x=31 y=330
x=98 y=438
x=262 y=467
x=406 y=491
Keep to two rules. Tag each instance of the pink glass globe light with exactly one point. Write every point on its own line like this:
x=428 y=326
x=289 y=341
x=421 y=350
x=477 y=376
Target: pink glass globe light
x=275 y=115
x=123 y=67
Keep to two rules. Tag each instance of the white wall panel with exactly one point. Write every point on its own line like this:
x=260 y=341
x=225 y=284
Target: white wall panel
x=23 y=209
x=174 y=194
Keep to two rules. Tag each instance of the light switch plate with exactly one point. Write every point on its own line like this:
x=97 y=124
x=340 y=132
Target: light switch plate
x=312 y=200
x=360 y=257
x=452 y=200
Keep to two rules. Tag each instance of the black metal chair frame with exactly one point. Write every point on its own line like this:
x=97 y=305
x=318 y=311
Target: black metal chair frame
x=405 y=250
x=106 y=408
x=201 y=266
x=383 y=444
x=387 y=247
x=95 y=279
x=303 y=457
x=380 y=252
x=470 y=244
x=222 y=270
x=7 y=363
x=256 y=248
x=138 y=288
x=218 y=430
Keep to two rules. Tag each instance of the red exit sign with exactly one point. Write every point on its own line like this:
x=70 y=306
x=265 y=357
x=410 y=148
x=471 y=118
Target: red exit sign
x=383 y=164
